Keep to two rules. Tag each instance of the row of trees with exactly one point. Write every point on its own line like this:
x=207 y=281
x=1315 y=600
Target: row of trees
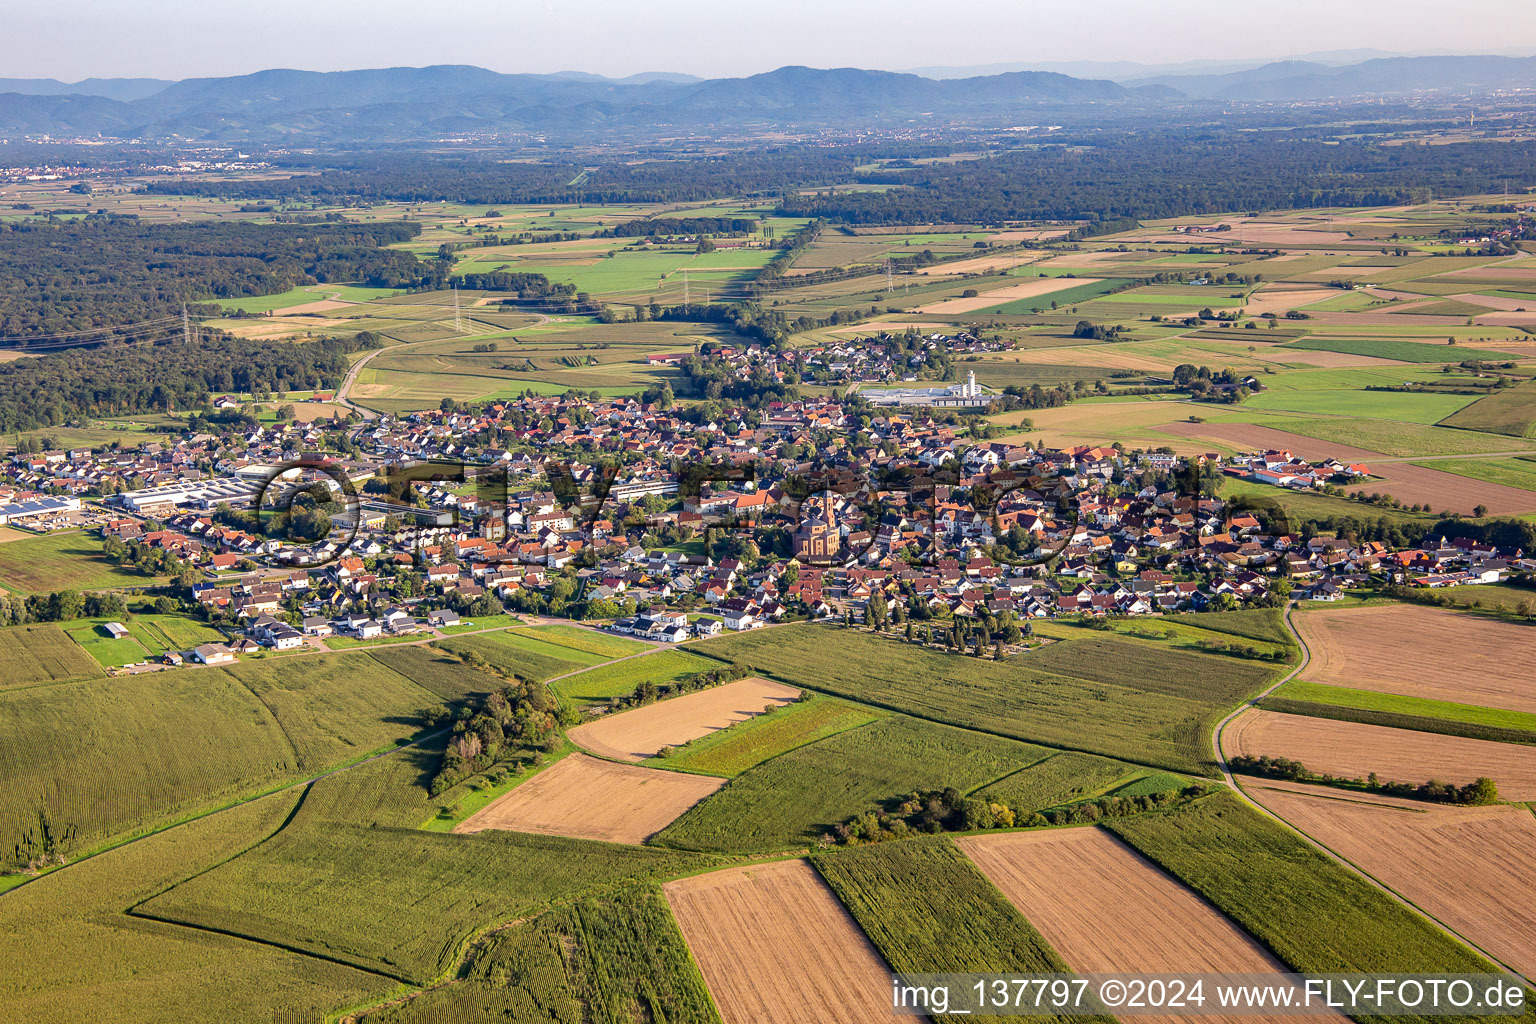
x=1480 y=791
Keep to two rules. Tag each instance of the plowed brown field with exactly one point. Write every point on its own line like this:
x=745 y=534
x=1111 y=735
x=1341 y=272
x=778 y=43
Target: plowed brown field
x=774 y=944
x=1473 y=868
x=638 y=734
x=1455 y=656
x=1105 y=908
x=591 y=799
x=1352 y=750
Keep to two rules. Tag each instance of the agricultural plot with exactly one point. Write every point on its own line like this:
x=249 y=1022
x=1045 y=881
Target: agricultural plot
x=1104 y=908
x=1354 y=750
x=643 y=732
x=1119 y=698
x=732 y=751
x=439 y=673
x=1059 y=779
x=63 y=561
x=1402 y=351
x=1313 y=914
x=620 y=678
x=43 y=653
x=589 y=640
x=1039 y=289
x=1512 y=412
x=773 y=944
x=399 y=901
x=73 y=955
x=1456 y=657
x=1471 y=868
x=1513 y=472
x=794 y=799
x=1372 y=708
x=929 y=910
x=585 y=798
x=518 y=656
x=99 y=759
x=604 y=959
x=333 y=708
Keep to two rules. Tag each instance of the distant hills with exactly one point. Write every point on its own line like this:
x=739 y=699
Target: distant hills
x=407 y=104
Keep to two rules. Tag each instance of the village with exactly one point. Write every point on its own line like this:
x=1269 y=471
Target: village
x=639 y=519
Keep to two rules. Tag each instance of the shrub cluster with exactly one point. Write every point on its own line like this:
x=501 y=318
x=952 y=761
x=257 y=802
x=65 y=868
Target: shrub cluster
x=522 y=716
x=946 y=810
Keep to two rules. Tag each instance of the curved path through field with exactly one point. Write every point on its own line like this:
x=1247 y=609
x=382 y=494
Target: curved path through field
x=357 y=367
x=1226 y=772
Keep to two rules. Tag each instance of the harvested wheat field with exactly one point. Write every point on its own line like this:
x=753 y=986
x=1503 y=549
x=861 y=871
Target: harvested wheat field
x=1472 y=868
x=774 y=944
x=591 y=799
x=641 y=733
x=1353 y=750
x=1040 y=286
x=1456 y=657
x=1105 y=908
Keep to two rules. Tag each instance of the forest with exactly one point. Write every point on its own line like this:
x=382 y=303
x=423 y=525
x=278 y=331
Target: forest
x=1166 y=177
x=136 y=377
x=1180 y=172
x=58 y=277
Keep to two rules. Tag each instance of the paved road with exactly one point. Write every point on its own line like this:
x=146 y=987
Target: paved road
x=1226 y=772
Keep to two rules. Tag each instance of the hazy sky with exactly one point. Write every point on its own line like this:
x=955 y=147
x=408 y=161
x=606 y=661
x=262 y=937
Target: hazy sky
x=193 y=38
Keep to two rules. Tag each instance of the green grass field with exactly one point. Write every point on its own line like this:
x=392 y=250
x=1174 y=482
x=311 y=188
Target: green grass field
x=43 y=653
x=792 y=800
x=1511 y=411
x=621 y=678
x=1137 y=701
x=63 y=561
x=729 y=752
x=929 y=910
x=609 y=960
x=1315 y=915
